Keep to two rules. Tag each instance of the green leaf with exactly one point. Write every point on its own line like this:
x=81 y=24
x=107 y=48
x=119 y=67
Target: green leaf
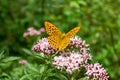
x=60 y=76
x=4 y=52
x=27 y=51
x=27 y=76
x=9 y=59
x=32 y=68
x=5 y=76
x=43 y=68
x=85 y=78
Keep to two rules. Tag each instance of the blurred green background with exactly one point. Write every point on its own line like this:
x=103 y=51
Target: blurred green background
x=99 y=21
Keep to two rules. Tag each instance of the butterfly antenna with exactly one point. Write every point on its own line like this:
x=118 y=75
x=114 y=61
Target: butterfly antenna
x=57 y=52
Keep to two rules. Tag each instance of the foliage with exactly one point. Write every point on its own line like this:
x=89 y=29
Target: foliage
x=6 y=62
x=100 y=27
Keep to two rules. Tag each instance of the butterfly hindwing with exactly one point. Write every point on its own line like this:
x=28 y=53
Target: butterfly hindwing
x=72 y=32
x=66 y=40
x=64 y=43
x=52 y=29
x=54 y=41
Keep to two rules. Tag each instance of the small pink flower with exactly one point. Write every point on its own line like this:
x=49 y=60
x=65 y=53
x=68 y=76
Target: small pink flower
x=23 y=62
x=30 y=29
x=25 y=34
x=42 y=30
x=32 y=32
x=96 y=72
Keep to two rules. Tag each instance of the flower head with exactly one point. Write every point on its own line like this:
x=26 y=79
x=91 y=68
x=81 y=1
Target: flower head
x=78 y=43
x=43 y=46
x=32 y=32
x=71 y=62
x=96 y=72
x=23 y=62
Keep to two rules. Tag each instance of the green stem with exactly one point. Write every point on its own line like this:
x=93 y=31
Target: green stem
x=112 y=40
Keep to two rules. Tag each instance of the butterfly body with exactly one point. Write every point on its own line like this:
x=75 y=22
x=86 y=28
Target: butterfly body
x=62 y=36
x=56 y=38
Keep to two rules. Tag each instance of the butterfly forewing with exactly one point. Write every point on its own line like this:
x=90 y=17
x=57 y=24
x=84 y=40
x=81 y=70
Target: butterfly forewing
x=72 y=32
x=52 y=29
x=54 y=41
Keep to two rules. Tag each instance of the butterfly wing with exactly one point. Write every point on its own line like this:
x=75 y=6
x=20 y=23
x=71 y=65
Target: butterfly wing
x=64 y=43
x=72 y=32
x=55 y=36
x=66 y=40
x=52 y=29
x=54 y=41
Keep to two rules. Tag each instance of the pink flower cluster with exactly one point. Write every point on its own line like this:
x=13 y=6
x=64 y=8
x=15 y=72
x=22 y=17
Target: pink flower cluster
x=96 y=72
x=71 y=62
x=43 y=46
x=78 y=43
x=32 y=32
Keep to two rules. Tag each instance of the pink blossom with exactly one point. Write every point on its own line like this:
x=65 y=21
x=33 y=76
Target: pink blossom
x=25 y=34
x=96 y=72
x=33 y=32
x=78 y=43
x=70 y=62
x=30 y=28
x=42 y=30
x=43 y=46
x=23 y=62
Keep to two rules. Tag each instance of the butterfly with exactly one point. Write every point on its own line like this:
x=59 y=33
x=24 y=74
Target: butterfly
x=56 y=38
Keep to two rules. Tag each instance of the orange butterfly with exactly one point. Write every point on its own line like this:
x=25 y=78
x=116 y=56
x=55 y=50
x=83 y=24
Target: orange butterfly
x=56 y=38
